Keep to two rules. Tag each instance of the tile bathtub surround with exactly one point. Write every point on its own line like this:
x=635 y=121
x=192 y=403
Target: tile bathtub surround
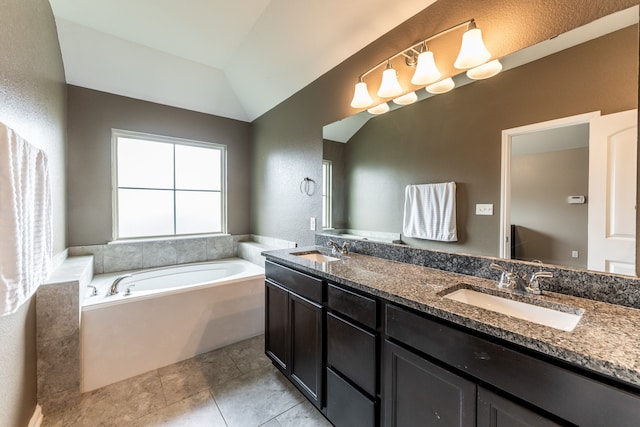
x=58 y=333
x=233 y=386
x=612 y=289
x=251 y=249
x=123 y=256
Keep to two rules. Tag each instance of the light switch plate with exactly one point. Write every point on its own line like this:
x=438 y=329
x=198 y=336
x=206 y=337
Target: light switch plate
x=312 y=224
x=484 y=209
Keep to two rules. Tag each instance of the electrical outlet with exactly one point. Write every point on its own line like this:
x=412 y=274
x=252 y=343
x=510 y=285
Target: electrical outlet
x=312 y=224
x=484 y=209
x=574 y=254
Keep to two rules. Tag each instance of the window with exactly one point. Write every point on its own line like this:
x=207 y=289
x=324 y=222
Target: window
x=327 y=171
x=167 y=186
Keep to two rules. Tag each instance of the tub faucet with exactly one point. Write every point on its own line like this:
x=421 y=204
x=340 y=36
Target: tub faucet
x=114 y=286
x=335 y=247
x=514 y=281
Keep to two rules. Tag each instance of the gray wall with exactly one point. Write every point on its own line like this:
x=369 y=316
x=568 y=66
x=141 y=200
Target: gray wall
x=32 y=90
x=288 y=138
x=92 y=115
x=548 y=228
x=457 y=136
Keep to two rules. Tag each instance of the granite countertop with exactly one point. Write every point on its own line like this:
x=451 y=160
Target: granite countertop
x=606 y=340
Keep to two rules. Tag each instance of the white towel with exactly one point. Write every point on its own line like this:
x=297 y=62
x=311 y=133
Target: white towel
x=25 y=220
x=430 y=212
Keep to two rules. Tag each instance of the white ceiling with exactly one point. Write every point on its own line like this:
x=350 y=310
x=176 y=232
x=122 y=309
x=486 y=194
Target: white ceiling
x=231 y=58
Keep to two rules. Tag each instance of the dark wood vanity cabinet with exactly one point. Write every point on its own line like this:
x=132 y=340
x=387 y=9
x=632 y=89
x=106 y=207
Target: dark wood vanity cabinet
x=352 y=358
x=366 y=362
x=435 y=369
x=294 y=332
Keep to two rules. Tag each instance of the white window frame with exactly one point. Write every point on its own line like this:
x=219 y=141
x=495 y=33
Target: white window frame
x=327 y=194
x=119 y=133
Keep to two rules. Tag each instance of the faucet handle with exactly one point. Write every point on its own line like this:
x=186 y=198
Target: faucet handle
x=534 y=283
x=506 y=278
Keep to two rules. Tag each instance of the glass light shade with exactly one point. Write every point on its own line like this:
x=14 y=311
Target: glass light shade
x=406 y=99
x=473 y=51
x=379 y=109
x=485 y=71
x=390 y=87
x=426 y=71
x=442 y=86
x=361 y=97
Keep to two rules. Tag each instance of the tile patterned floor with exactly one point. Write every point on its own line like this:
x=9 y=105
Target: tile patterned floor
x=236 y=386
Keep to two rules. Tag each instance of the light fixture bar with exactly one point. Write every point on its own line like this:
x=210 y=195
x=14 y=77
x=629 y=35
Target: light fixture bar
x=416 y=45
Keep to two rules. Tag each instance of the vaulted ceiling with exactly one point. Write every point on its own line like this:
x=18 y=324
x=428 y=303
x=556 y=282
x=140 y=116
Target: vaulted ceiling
x=231 y=58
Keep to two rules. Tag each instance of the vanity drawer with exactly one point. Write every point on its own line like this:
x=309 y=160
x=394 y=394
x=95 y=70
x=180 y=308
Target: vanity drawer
x=346 y=406
x=352 y=351
x=300 y=283
x=570 y=395
x=358 y=307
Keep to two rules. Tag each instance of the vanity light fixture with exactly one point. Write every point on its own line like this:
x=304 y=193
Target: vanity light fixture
x=361 y=97
x=406 y=99
x=485 y=71
x=443 y=86
x=426 y=71
x=390 y=86
x=473 y=51
x=379 y=109
x=473 y=54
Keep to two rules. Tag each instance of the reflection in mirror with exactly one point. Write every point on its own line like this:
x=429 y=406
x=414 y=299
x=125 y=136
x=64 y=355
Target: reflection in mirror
x=457 y=136
x=568 y=192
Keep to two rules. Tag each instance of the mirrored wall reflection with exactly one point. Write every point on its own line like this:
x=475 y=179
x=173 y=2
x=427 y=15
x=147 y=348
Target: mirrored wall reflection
x=549 y=190
x=457 y=137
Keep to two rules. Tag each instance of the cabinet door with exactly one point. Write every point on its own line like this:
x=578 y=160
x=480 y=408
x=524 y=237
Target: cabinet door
x=496 y=411
x=306 y=347
x=417 y=392
x=277 y=325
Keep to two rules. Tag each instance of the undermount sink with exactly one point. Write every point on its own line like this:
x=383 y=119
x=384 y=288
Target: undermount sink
x=556 y=316
x=316 y=256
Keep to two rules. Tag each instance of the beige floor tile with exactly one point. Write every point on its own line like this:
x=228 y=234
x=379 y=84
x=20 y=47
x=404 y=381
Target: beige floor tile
x=182 y=379
x=303 y=414
x=199 y=410
x=249 y=354
x=255 y=398
x=235 y=386
x=217 y=367
x=271 y=423
x=117 y=404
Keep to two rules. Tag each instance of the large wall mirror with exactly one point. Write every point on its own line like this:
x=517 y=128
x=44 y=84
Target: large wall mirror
x=591 y=71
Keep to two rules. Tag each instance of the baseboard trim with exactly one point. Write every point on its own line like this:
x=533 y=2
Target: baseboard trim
x=37 y=417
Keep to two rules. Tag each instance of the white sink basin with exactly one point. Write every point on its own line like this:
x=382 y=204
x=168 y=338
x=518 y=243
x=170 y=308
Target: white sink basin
x=316 y=256
x=533 y=313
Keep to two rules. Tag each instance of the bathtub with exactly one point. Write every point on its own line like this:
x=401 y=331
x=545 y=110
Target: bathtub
x=171 y=314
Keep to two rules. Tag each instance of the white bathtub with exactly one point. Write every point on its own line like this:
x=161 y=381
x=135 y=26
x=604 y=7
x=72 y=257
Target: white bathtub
x=172 y=314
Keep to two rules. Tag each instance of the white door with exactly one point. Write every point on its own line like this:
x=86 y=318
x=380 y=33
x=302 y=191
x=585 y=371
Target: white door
x=612 y=193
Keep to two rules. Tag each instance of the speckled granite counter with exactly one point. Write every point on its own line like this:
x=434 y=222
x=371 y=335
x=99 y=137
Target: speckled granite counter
x=606 y=340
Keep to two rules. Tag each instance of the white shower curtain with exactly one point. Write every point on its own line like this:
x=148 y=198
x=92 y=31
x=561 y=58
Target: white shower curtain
x=25 y=220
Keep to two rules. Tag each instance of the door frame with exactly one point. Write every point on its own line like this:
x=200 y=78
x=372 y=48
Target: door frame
x=505 y=177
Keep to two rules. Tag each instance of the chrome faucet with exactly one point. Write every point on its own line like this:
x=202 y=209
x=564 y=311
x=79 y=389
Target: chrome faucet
x=516 y=282
x=335 y=247
x=114 y=286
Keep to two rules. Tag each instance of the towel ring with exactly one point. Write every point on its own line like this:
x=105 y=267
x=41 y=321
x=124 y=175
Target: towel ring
x=308 y=186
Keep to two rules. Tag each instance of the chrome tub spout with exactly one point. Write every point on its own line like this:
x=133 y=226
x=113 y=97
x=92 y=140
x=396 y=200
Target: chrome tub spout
x=114 y=286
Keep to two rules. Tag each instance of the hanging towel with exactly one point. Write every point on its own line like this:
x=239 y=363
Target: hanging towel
x=25 y=220
x=430 y=212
